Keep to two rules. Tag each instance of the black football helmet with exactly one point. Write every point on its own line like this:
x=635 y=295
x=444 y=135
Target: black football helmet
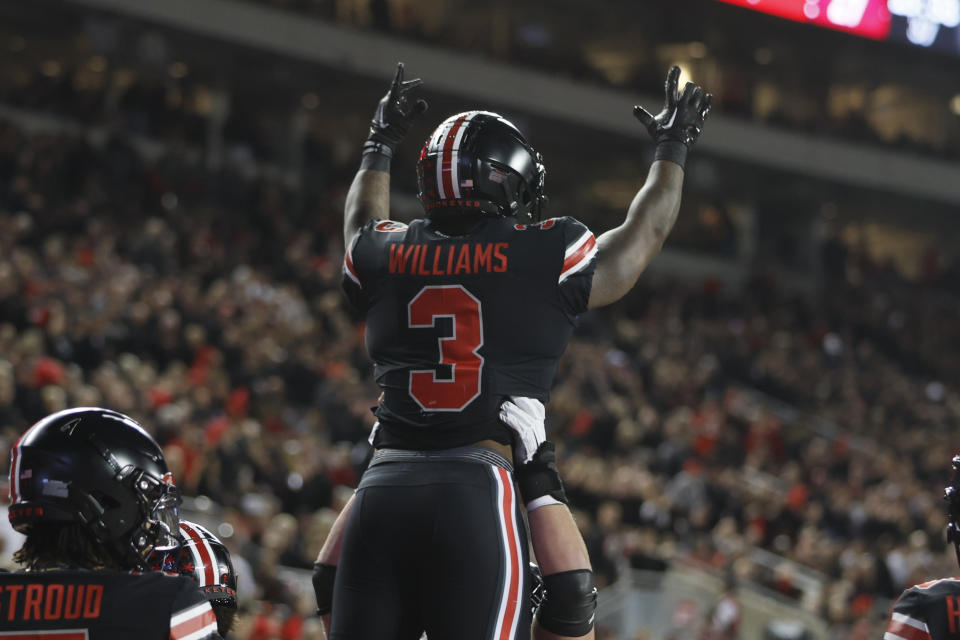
x=952 y=495
x=205 y=559
x=98 y=468
x=478 y=161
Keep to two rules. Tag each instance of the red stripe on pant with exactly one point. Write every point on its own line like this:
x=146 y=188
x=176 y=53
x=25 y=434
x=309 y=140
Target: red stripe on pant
x=508 y=621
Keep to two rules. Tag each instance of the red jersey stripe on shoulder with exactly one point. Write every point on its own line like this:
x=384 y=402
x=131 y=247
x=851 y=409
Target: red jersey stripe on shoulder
x=576 y=244
x=907 y=628
x=905 y=632
x=193 y=611
x=195 y=623
x=206 y=632
x=909 y=620
x=578 y=255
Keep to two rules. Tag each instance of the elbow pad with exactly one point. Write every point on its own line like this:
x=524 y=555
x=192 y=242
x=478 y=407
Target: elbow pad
x=324 y=576
x=570 y=603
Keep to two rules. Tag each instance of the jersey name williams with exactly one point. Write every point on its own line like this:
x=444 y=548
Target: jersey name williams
x=448 y=259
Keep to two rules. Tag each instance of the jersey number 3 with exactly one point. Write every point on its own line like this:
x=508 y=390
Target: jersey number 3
x=458 y=351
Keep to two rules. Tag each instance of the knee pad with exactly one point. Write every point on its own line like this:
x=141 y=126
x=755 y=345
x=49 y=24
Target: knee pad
x=570 y=603
x=324 y=576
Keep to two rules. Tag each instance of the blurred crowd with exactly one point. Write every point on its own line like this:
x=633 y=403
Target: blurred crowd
x=697 y=423
x=210 y=315
x=160 y=97
x=90 y=93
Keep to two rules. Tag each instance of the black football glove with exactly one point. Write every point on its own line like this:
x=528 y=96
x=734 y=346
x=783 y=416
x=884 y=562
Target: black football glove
x=683 y=114
x=539 y=477
x=537 y=591
x=394 y=115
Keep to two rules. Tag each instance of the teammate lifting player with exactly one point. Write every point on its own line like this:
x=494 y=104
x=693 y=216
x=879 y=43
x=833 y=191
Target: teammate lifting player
x=467 y=313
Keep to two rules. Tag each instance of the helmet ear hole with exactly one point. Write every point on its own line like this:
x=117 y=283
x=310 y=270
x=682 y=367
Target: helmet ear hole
x=106 y=501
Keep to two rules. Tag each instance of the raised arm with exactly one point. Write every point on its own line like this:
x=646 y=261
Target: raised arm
x=369 y=194
x=625 y=251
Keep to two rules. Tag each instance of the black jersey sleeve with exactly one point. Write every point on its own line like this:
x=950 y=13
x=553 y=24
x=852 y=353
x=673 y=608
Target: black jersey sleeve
x=191 y=616
x=579 y=263
x=351 y=282
x=908 y=618
x=365 y=260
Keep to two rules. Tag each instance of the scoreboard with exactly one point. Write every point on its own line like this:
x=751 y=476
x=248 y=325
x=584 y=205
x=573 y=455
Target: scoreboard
x=924 y=23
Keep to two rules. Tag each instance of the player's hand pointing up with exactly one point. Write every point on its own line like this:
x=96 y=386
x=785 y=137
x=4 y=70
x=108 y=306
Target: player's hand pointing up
x=683 y=114
x=395 y=113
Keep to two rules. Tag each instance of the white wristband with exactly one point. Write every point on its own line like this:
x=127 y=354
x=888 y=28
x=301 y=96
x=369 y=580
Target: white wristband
x=542 y=501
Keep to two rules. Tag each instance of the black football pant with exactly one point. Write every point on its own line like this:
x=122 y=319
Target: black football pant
x=435 y=543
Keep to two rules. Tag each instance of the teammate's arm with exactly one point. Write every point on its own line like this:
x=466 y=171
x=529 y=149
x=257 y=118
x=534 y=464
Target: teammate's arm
x=369 y=194
x=625 y=251
x=325 y=568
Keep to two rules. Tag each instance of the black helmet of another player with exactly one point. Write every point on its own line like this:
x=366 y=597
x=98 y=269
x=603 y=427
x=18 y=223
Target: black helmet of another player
x=205 y=559
x=952 y=495
x=99 y=469
x=479 y=162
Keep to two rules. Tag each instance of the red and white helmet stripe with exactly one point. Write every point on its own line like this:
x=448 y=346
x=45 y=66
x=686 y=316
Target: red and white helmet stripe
x=16 y=473
x=446 y=142
x=202 y=552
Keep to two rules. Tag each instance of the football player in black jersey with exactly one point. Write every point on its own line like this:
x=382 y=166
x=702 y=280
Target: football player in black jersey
x=931 y=611
x=91 y=491
x=467 y=313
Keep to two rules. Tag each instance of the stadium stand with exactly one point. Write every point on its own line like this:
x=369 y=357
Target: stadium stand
x=767 y=77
